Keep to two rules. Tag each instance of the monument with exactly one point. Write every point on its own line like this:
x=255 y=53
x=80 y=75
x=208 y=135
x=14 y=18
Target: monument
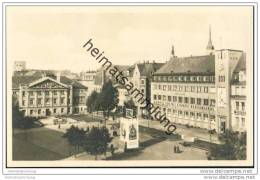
x=129 y=130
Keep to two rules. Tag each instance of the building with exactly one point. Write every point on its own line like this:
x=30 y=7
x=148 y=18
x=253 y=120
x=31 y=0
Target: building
x=141 y=77
x=203 y=91
x=19 y=66
x=238 y=97
x=48 y=95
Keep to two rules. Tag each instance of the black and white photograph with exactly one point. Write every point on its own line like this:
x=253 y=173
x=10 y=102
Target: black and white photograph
x=90 y=85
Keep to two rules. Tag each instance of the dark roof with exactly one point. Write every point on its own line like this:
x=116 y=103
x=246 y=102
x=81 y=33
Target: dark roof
x=146 y=69
x=241 y=65
x=190 y=65
x=26 y=80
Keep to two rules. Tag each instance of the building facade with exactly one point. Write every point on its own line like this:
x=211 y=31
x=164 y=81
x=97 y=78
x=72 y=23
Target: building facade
x=203 y=91
x=49 y=95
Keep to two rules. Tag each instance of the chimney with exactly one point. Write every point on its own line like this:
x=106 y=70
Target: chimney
x=58 y=76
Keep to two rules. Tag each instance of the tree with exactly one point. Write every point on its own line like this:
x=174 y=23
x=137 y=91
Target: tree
x=75 y=137
x=92 y=102
x=232 y=148
x=17 y=115
x=108 y=98
x=96 y=141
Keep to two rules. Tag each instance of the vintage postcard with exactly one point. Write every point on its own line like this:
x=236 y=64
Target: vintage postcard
x=129 y=85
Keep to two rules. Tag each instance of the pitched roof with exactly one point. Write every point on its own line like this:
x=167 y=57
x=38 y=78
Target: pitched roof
x=190 y=65
x=146 y=69
x=26 y=80
x=241 y=65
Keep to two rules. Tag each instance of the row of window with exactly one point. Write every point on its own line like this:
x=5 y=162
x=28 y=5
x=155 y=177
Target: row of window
x=47 y=101
x=240 y=105
x=39 y=111
x=187 y=100
x=47 y=93
x=184 y=78
x=238 y=123
x=199 y=89
x=195 y=115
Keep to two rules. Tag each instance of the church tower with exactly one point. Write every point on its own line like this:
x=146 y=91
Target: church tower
x=210 y=47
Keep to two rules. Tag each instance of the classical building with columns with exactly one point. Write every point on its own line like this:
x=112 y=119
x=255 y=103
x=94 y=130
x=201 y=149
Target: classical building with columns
x=203 y=91
x=48 y=95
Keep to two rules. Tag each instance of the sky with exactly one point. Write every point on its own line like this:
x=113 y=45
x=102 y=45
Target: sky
x=51 y=37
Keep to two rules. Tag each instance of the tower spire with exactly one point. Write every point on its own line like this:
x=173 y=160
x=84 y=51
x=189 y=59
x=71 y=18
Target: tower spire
x=210 y=47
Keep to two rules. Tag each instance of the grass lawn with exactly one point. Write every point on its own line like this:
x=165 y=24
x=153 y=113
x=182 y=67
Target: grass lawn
x=40 y=144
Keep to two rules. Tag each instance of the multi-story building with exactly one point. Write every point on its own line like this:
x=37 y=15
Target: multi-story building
x=238 y=97
x=141 y=77
x=203 y=91
x=48 y=95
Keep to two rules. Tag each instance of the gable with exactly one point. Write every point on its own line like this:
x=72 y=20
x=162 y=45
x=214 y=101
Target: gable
x=47 y=83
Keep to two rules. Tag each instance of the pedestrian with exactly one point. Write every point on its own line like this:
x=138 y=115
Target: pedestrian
x=174 y=149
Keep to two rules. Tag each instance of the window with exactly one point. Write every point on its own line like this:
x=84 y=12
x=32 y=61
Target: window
x=159 y=97
x=55 y=92
x=168 y=110
x=186 y=113
x=212 y=102
x=23 y=102
x=31 y=101
x=192 y=114
x=221 y=78
x=164 y=98
x=186 y=100
x=62 y=92
x=237 y=121
x=243 y=122
x=39 y=111
x=199 y=89
x=192 y=100
x=237 y=105
x=142 y=81
x=155 y=97
x=206 y=89
x=47 y=101
x=39 y=101
x=39 y=93
x=31 y=93
x=47 y=93
x=236 y=90
x=180 y=99
x=169 y=98
x=212 y=117
x=199 y=115
x=31 y=112
x=23 y=93
x=169 y=87
x=159 y=86
x=180 y=112
x=62 y=110
x=193 y=89
x=198 y=101
x=205 y=116
x=62 y=100
x=55 y=100
x=54 y=110
x=68 y=101
x=174 y=98
x=164 y=87
x=243 y=106
x=206 y=102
